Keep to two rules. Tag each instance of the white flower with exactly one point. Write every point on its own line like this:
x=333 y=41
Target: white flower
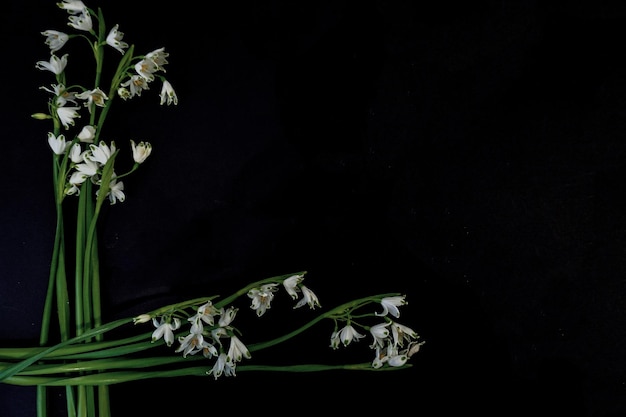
x=95 y=96
x=76 y=154
x=135 y=85
x=223 y=365
x=348 y=334
x=76 y=179
x=142 y=318
x=165 y=329
x=237 y=350
x=140 y=151
x=114 y=39
x=208 y=350
x=380 y=333
x=308 y=297
x=87 y=134
x=116 y=191
x=56 y=65
x=207 y=312
x=402 y=333
x=158 y=56
x=81 y=21
x=101 y=153
x=67 y=115
x=146 y=68
x=57 y=143
x=62 y=95
x=168 y=94
x=391 y=304
x=227 y=316
x=192 y=343
x=87 y=168
x=55 y=39
x=72 y=6
x=291 y=285
x=262 y=298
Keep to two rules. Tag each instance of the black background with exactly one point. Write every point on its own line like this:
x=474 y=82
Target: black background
x=468 y=154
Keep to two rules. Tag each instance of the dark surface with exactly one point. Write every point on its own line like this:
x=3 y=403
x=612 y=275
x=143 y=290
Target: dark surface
x=468 y=154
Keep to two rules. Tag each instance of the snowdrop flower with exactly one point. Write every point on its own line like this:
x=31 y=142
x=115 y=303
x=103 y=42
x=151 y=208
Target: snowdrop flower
x=380 y=333
x=192 y=343
x=158 y=56
x=57 y=143
x=146 y=68
x=308 y=297
x=391 y=304
x=402 y=333
x=134 y=86
x=165 y=329
x=262 y=298
x=114 y=39
x=55 y=64
x=87 y=134
x=62 y=95
x=82 y=21
x=223 y=365
x=116 y=191
x=291 y=285
x=238 y=350
x=88 y=168
x=101 y=153
x=227 y=316
x=72 y=6
x=168 y=94
x=55 y=39
x=76 y=154
x=95 y=96
x=67 y=115
x=346 y=335
x=206 y=313
x=140 y=151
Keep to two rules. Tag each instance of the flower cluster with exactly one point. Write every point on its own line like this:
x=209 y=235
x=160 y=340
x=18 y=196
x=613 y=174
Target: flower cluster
x=88 y=155
x=210 y=323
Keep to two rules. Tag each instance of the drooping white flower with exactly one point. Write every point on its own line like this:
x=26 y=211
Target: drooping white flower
x=223 y=365
x=93 y=97
x=227 y=316
x=135 y=85
x=391 y=304
x=141 y=151
x=88 y=168
x=192 y=343
x=207 y=312
x=165 y=329
x=208 y=350
x=87 y=134
x=77 y=178
x=67 y=115
x=55 y=39
x=116 y=191
x=291 y=285
x=76 y=154
x=308 y=297
x=57 y=143
x=168 y=94
x=81 y=21
x=101 y=153
x=72 y=6
x=348 y=334
x=262 y=298
x=62 y=95
x=146 y=68
x=380 y=333
x=402 y=333
x=114 y=39
x=55 y=64
x=159 y=57
x=238 y=350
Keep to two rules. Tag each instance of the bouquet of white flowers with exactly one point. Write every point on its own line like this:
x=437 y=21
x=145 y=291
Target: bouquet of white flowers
x=197 y=337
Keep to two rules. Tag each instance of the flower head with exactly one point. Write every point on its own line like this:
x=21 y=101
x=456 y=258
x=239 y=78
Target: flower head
x=114 y=39
x=308 y=297
x=72 y=6
x=291 y=285
x=55 y=39
x=67 y=115
x=140 y=151
x=81 y=21
x=391 y=304
x=57 y=143
x=93 y=97
x=168 y=94
x=165 y=329
x=55 y=64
